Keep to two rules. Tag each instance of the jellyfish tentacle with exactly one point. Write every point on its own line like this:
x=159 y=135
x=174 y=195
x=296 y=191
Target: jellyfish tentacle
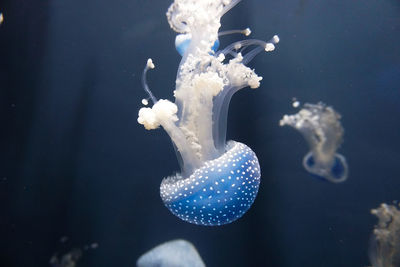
x=246 y=32
x=149 y=65
x=220 y=113
x=228 y=5
x=243 y=44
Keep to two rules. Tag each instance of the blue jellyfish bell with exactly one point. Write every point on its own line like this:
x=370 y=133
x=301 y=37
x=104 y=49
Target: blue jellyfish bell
x=219 y=192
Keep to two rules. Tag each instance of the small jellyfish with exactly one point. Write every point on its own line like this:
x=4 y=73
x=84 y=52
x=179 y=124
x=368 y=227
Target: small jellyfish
x=68 y=259
x=219 y=180
x=385 y=240
x=71 y=257
x=176 y=253
x=320 y=126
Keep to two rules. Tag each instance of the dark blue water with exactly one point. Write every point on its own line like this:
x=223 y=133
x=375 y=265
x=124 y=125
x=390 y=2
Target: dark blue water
x=74 y=162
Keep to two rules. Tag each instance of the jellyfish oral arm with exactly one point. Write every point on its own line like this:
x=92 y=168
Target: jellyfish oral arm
x=163 y=113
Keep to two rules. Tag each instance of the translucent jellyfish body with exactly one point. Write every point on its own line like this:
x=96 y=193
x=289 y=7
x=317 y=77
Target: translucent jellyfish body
x=320 y=126
x=175 y=253
x=219 y=180
x=385 y=240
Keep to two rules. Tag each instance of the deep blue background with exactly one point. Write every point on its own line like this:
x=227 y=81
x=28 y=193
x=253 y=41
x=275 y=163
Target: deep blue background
x=74 y=161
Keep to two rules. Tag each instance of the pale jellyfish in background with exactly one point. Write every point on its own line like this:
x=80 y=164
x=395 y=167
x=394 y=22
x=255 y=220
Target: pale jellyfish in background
x=175 y=253
x=320 y=126
x=219 y=180
x=71 y=257
x=385 y=241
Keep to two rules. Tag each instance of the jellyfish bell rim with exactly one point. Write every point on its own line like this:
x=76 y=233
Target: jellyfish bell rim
x=327 y=175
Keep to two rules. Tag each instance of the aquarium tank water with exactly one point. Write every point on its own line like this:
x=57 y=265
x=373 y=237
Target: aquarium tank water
x=200 y=133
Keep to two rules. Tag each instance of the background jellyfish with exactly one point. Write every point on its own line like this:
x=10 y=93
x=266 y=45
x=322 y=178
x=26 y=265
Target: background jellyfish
x=218 y=181
x=70 y=257
x=320 y=126
x=176 y=253
x=385 y=240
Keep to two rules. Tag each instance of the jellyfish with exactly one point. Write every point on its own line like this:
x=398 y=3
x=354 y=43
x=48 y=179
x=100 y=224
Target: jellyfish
x=71 y=257
x=385 y=240
x=320 y=126
x=176 y=253
x=219 y=180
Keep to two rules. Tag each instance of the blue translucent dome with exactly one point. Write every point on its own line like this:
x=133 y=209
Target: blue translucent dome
x=218 y=193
